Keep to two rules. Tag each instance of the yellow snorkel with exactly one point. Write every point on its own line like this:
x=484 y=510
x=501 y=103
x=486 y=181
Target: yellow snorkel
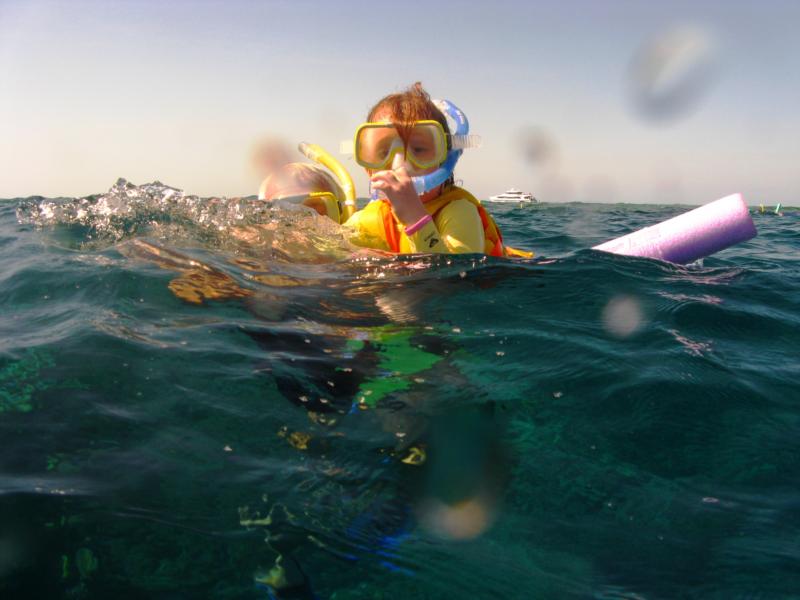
x=319 y=155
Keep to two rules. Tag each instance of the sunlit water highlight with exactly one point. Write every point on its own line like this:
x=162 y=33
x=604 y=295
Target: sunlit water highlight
x=190 y=386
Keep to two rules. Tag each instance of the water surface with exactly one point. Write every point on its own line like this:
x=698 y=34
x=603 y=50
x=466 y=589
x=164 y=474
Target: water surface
x=186 y=395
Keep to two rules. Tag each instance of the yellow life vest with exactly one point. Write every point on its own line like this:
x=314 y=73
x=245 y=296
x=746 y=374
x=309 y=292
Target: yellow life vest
x=394 y=231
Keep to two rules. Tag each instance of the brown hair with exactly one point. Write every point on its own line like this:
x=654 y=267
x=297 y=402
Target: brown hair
x=297 y=178
x=404 y=108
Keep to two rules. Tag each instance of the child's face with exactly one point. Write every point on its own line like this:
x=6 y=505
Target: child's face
x=413 y=171
x=383 y=115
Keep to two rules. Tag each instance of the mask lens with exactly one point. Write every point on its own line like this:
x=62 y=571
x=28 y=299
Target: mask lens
x=426 y=146
x=325 y=204
x=375 y=144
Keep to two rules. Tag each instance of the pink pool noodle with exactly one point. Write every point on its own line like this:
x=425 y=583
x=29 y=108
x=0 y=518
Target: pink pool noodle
x=690 y=236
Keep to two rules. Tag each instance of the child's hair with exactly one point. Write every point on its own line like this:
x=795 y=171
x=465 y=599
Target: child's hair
x=299 y=178
x=413 y=104
x=408 y=106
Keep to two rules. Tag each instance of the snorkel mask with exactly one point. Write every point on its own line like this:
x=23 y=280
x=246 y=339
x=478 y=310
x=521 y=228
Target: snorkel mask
x=378 y=146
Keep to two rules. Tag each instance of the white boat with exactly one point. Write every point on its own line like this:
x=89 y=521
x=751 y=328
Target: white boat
x=513 y=195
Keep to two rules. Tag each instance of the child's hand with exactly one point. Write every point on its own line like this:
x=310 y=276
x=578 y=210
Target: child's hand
x=399 y=189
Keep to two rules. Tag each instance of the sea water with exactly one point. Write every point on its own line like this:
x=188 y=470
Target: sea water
x=192 y=388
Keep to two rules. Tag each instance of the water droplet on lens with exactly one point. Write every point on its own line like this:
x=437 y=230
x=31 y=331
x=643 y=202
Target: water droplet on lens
x=623 y=316
x=671 y=73
x=536 y=146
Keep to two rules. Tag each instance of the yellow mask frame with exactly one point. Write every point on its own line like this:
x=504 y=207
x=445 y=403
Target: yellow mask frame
x=429 y=151
x=324 y=203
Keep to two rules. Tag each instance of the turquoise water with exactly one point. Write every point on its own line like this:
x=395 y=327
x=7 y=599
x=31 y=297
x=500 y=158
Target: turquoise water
x=185 y=397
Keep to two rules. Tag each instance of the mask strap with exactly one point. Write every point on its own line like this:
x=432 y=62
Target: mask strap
x=433 y=180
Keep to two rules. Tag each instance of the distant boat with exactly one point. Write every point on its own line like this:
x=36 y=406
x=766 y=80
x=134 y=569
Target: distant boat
x=513 y=195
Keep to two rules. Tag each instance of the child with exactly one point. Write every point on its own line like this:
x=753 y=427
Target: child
x=407 y=137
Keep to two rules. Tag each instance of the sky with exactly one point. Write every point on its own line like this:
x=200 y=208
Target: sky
x=595 y=101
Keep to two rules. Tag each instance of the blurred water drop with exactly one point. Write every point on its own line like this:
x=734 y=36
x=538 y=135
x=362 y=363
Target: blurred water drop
x=623 y=316
x=7 y=557
x=536 y=146
x=465 y=520
x=556 y=187
x=269 y=154
x=13 y=554
x=601 y=188
x=468 y=467
x=672 y=71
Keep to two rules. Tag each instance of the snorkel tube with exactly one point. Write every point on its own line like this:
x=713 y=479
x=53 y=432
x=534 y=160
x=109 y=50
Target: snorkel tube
x=459 y=139
x=320 y=156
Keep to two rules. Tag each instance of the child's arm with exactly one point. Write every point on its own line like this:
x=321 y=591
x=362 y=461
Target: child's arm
x=457 y=228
